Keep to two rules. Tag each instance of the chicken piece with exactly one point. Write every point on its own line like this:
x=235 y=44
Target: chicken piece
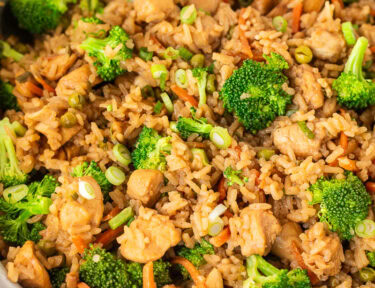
x=326 y=45
x=360 y=246
x=313 y=5
x=293 y=137
x=307 y=83
x=207 y=38
x=283 y=244
x=54 y=67
x=144 y=185
x=264 y=6
x=209 y=6
x=32 y=273
x=153 y=10
x=148 y=237
x=322 y=251
x=255 y=231
x=214 y=279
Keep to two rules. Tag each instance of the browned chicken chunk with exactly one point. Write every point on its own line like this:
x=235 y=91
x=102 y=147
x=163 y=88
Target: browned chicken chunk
x=209 y=6
x=153 y=10
x=264 y=6
x=54 y=67
x=144 y=185
x=148 y=237
x=326 y=45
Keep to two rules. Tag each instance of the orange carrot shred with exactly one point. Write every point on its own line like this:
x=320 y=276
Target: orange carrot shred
x=80 y=244
x=109 y=236
x=222 y=190
x=34 y=89
x=148 y=275
x=297 y=12
x=45 y=85
x=228 y=214
x=313 y=278
x=340 y=2
x=82 y=285
x=344 y=142
x=372 y=48
x=112 y=213
x=347 y=164
x=370 y=187
x=198 y=281
x=372 y=12
x=184 y=95
x=222 y=238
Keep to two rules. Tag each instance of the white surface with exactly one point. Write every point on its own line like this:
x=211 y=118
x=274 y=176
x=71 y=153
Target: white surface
x=4 y=282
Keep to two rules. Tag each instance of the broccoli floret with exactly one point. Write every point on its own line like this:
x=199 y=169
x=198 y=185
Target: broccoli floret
x=39 y=16
x=188 y=126
x=234 y=176
x=57 y=276
x=93 y=170
x=109 y=67
x=353 y=90
x=254 y=92
x=135 y=274
x=13 y=224
x=8 y=52
x=7 y=99
x=263 y=274
x=371 y=258
x=92 y=20
x=91 y=6
x=349 y=1
x=200 y=74
x=10 y=172
x=150 y=150
x=162 y=273
x=343 y=203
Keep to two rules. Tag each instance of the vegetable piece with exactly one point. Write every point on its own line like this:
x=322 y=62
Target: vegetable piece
x=122 y=154
x=158 y=107
x=215 y=226
x=76 y=101
x=189 y=126
x=266 y=154
x=85 y=190
x=148 y=276
x=16 y=193
x=201 y=154
x=365 y=228
x=107 y=66
x=173 y=126
x=188 y=14
x=343 y=203
x=296 y=18
x=348 y=31
x=6 y=51
x=159 y=71
x=7 y=98
x=184 y=95
x=147 y=92
x=354 y=91
x=367 y=274
x=92 y=20
x=220 y=137
x=222 y=238
x=108 y=236
x=197 y=61
x=221 y=189
x=150 y=149
x=145 y=54
x=170 y=53
x=254 y=92
x=181 y=78
x=39 y=16
x=234 y=176
x=167 y=102
x=18 y=129
x=121 y=218
x=34 y=89
x=57 y=276
x=48 y=247
x=190 y=268
x=217 y=212
x=115 y=175
x=185 y=53
x=91 y=6
x=279 y=23
x=303 y=54
x=80 y=243
x=306 y=130
x=211 y=83
x=10 y=172
x=68 y=120
x=371 y=258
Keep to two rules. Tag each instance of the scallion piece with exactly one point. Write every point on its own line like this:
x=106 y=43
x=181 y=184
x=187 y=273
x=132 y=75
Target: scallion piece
x=188 y=14
x=365 y=229
x=122 y=154
x=348 y=31
x=266 y=153
x=121 y=218
x=309 y=134
x=201 y=154
x=185 y=53
x=167 y=102
x=181 y=78
x=159 y=71
x=86 y=190
x=170 y=53
x=18 y=129
x=217 y=212
x=145 y=54
x=158 y=107
x=115 y=175
x=220 y=137
x=215 y=227
x=16 y=193
x=173 y=126
x=279 y=23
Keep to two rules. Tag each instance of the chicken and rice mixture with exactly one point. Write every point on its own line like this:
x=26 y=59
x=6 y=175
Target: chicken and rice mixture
x=188 y=143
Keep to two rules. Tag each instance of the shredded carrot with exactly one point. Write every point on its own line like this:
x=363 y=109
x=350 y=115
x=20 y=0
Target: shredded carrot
x=334 y=163
x=228 y=214
x=257 y=174
x=344 y=142
x=340 y=2
x=45 y=85
x=82 y=285
x=347 y=164
x=109 y=236
x=34 y=89
x=198 y=280
x=372 y=12
x=244 y=42
x=238 y=150
x=372 y=48
x=297 y=12
x=184 y=95
x=80 y=244
x=222 y=190
x=148 y=275
x=222 y=238
x=313 y=278
x=112 y=213
x=370 y=187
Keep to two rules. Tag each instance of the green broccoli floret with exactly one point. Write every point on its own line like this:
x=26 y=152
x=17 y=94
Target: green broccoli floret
x=135 y=274
x=39 y=16
x=7 y=99
x=13 y=224
x=353 y=90
x=188 y=126
x=91 y=6
x=92 y=20
x=57 y=276
x=343 y=203
x=10 y=172
x=349 y=1
x=93 y=170
x=150 y=150
x=254 y=92
x=200 y=74
x=109 y=67
x=195 y=255
x=371 y=258
x=8 y=52
x=162 y=274
x=234 y=176
x=263 y=274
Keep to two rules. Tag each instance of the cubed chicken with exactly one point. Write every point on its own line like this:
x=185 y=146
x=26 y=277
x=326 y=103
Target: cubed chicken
x=326 y=45
x=54 y=67
x=144 y=185
x=148 y=237
x=153 y=10
x=264 y=6
x=209 y=6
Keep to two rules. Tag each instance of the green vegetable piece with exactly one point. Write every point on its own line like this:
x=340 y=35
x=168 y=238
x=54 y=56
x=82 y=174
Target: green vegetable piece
x=145 y=54
x=348 y=31
x=122 y=154
x=8 y=52
x=303 y=54
x=189 y=126
x=303 y=126
x=167 y=102
x=234 y=176
x=115 y=175
x=68 y=120
x=188 y=14
x=185 y=53
x=279 y=23
x=57 y=276
x=76 y=101
x=220 y=137
x=197 y=61
x=171 y=53
x=121 y=218
x=266 y=154
x=365 y=229
x=7 y=98
x=367 y=274
x=158 y=107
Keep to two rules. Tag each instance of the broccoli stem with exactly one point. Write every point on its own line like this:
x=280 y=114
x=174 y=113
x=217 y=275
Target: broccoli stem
x=354 y=63
x=94 y=45
x=9 y=52
x=9 y=147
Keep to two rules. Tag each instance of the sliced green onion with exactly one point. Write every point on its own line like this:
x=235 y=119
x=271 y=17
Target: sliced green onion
x=220 y=137
x=115 y=175
x=188 y=14
x=159 y=71
x=145 y=54
x=185 y=53
x=121 y=218
x=365 y=229
x=201 y=154
x=217 y=212
x=181 y=78
x=367 y=274
x=309 y=134
x=85 y=190
x=18 y=129
x=130 y=221
x=291 y=112
x=215 y=227
x=109 y=108
x=147 y=92
x=167 y=102
x=279 y=23
x=266 y=153
x=15 y=193
x=348 y=31
x=158 y=107
x=173 y=126
x=170 y=53
x=122 y=154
